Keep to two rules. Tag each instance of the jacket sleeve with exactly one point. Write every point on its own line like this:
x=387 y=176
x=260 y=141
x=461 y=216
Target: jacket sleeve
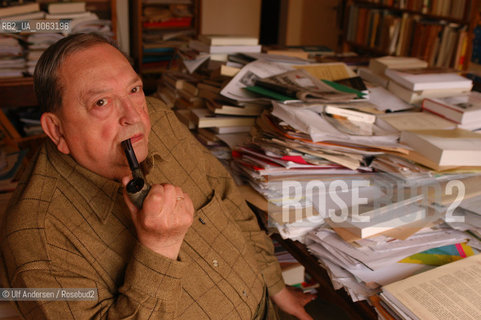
x=150 y=286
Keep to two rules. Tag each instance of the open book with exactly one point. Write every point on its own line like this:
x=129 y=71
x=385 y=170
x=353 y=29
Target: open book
x=448 y=292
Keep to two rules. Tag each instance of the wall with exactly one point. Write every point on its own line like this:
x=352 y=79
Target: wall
x=230 y=17
x=309 y=22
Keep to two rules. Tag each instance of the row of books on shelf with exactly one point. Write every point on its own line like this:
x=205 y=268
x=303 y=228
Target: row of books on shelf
x=171 y=15
x=441 y=8
x=166 y=26
x=438 y=42
x=476 y=54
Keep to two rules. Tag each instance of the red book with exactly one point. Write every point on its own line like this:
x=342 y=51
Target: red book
x=171 y=23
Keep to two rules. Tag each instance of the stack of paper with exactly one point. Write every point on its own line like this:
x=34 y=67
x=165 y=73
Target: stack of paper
x=37 y=43
x=12 y=61
x=362 y=267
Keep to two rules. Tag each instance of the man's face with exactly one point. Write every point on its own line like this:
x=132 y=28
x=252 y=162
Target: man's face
x=102 y=104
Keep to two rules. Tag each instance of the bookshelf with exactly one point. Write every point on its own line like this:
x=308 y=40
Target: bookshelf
x=17 y=92
x=154 y=22
x=440 y=32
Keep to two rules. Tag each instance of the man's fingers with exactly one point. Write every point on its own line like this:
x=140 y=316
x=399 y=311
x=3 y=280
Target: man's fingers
x=301 y=297
x=155 y=200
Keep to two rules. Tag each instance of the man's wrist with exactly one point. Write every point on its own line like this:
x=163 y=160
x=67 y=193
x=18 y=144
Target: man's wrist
x=168 y=249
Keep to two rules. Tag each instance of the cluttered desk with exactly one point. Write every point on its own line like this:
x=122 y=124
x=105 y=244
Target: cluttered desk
x=367 y=187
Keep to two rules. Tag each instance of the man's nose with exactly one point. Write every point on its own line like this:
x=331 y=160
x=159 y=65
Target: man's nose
x=129 y=112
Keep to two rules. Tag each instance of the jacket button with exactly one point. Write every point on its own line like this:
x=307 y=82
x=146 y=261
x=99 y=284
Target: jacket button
x=215 y=263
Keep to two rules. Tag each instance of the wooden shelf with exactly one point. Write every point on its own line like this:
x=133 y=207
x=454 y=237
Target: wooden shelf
x=364 y=48
x=415 y=35
x=17 y=92
x=138 y=28
x=401 y=10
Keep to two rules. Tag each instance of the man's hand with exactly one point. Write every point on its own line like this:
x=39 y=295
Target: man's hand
x=164 y=219
x=292 y=301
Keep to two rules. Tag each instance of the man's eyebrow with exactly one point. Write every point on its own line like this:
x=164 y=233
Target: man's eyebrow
x=98 y=91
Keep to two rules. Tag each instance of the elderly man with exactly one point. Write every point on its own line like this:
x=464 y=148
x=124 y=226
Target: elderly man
x=193 y=251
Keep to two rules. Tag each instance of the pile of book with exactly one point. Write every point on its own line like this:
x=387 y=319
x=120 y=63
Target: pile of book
x=412 y=80
x=79 y=20
x=370 y=193
x=219 y=47
x=212 y=117
x=12 y=61
x=20 y=11
x=37 y=43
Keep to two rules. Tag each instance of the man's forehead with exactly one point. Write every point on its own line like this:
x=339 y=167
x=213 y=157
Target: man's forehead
x=94 y=56
x=100 y=64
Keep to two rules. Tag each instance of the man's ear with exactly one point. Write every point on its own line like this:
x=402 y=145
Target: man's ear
x=52 y=126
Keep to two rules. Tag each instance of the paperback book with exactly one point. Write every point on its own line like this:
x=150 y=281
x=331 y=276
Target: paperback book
x=461 y=108
x=428 y=78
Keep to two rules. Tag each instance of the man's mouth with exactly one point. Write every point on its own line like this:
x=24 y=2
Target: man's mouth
x=136 y=138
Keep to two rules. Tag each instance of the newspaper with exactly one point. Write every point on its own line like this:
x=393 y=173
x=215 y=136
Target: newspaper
x=247 y=77
x=303 y=86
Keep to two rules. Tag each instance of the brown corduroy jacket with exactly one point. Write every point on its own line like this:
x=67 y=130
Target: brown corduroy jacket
x=67 y=227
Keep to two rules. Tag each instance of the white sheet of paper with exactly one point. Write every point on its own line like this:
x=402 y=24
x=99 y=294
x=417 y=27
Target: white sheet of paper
x=385 y=100
x=390 y=252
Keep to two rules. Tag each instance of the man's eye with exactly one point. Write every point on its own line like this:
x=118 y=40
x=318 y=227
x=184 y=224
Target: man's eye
x=101 y=102
x=136 y=89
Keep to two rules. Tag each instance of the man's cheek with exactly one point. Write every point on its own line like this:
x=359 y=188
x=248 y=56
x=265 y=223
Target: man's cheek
x=107 y=136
